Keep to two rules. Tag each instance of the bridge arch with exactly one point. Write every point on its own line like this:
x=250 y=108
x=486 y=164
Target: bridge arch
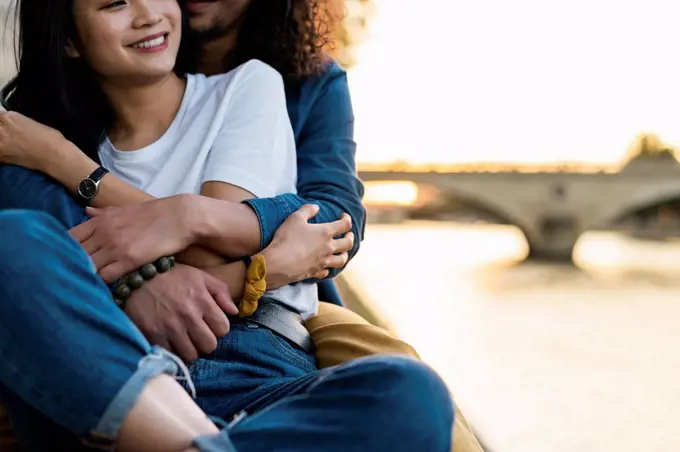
x=645 y=198
x=548 y=235
x=483 y=204
x=506 y=214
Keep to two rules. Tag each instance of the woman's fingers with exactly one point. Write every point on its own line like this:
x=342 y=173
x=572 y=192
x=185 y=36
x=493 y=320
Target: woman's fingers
x=337 y=260
x=341 y=226
x=323 y=274
x=307 y=212
x=343 y=244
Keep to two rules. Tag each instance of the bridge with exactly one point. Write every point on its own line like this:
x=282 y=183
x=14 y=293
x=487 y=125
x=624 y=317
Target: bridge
x=552 y=209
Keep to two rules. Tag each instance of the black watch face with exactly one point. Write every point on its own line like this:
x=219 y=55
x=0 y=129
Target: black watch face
x=87 y=188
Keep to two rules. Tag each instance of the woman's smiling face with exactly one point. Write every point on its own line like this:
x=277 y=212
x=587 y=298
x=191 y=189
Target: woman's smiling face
x=127 y=39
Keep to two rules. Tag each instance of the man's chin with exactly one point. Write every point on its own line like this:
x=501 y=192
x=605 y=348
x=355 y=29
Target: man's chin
x=207 y=32
x=199 y=24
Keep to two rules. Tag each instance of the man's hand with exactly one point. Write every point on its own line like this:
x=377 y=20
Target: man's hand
x=182 y=310
x=122 y=239
x=301 y=250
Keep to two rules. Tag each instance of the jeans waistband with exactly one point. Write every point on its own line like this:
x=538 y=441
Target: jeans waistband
x=282 y=321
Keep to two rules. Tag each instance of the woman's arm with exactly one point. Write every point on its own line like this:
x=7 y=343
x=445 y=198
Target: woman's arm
x=68 y=165
x=29 y=144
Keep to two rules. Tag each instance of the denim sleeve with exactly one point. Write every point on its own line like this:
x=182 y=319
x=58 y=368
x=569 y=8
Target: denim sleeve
x=327 y=173
x=21 y=188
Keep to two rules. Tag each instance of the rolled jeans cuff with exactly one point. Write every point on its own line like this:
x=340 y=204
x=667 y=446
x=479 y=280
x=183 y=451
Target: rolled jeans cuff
x=158 y=362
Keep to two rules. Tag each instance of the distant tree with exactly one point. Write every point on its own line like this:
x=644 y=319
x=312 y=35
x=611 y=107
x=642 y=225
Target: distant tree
x=348 y=25
x=649 y=146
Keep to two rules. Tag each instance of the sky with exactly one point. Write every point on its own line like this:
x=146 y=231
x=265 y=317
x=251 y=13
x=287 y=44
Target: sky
x=519 y=81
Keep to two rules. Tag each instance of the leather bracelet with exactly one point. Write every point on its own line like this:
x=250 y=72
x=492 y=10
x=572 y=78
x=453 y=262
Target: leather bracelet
x=129 y=283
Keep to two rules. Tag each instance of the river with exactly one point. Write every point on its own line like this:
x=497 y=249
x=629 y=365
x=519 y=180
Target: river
x=540 y=357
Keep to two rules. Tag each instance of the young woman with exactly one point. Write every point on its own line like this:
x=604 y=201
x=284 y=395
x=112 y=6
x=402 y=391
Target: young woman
x=118 y=98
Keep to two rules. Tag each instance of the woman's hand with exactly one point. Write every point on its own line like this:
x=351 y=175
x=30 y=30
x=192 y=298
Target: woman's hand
x=301 y=250
x=25 y=142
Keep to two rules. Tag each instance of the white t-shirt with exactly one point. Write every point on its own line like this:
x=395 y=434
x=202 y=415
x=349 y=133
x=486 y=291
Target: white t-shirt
x=231 y=128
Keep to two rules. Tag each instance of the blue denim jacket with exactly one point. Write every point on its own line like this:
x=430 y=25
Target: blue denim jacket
x=321 y=113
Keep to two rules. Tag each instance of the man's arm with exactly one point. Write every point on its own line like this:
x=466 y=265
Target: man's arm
x=326 y=164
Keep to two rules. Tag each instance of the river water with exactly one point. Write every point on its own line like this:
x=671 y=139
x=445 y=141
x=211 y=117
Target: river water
x=540 y=357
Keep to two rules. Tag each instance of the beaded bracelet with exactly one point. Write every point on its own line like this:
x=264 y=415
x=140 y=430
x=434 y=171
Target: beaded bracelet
x=123 y=290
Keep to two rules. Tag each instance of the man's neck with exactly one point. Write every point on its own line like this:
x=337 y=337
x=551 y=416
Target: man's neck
x=218 y=56
x=143 y=111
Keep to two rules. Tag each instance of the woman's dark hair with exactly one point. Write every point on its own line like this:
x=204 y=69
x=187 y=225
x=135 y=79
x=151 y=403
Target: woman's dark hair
x=289 y=35
x=55 y=89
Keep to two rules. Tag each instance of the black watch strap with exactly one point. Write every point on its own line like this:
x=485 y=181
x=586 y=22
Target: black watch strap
x=97 y=174
x=89 y=187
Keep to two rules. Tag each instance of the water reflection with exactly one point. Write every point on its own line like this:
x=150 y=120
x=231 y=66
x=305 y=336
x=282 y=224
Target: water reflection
x=540 y=356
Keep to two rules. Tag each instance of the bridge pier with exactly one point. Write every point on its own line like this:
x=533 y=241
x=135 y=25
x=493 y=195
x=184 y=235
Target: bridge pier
x=553 y=239
x=550 y=254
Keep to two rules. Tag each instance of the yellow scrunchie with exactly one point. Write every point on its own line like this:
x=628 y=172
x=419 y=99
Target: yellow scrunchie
x=256 y=286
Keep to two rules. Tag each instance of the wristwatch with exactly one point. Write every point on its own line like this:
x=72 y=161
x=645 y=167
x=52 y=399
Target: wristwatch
x=89 y=187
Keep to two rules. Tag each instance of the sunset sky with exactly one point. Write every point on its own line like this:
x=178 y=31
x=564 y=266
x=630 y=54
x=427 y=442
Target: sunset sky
x=516 y=81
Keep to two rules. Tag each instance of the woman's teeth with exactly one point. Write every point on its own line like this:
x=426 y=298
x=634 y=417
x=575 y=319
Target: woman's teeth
x=148 y=44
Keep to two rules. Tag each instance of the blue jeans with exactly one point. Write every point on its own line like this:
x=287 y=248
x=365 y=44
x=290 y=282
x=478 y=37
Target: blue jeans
x=74 y=364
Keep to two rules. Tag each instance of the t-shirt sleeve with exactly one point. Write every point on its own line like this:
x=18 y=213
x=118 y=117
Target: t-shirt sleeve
x=256 y=134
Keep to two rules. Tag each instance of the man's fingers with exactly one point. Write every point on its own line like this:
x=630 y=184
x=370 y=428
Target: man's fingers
x=341 y=226
x=215 y=317
x=343 y=244
x=337 y=261
x=91 y=245
x=202 y=337
x=217 y=321
x=102 y=257
x=112 y=271
x=308 y=211
x=220 y=293
x=83 y=231
x=225 y=303
x=182 y=345
x=157 y=339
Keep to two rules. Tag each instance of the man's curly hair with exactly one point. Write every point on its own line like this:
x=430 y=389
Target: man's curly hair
x=292 y=36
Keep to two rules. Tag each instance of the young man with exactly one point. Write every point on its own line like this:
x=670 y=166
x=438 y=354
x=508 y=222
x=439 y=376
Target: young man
x=286 y=35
